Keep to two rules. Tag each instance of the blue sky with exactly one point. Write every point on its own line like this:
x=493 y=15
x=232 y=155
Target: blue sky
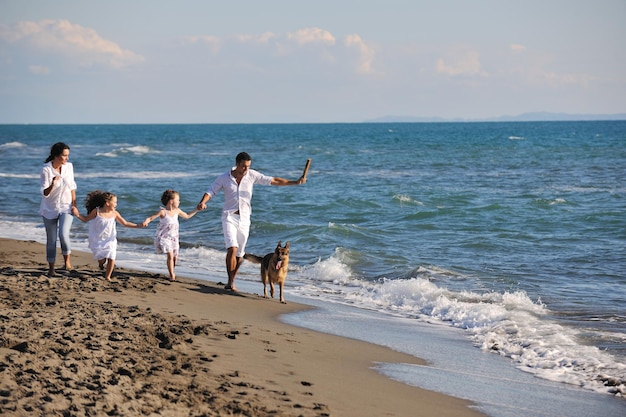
x=195 y=61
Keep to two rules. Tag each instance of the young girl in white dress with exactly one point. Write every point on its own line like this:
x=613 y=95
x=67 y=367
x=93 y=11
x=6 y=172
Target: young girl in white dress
x=102 y=215
x=166 y=237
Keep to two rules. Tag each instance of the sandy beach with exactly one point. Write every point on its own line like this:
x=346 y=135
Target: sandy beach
x=76 y=345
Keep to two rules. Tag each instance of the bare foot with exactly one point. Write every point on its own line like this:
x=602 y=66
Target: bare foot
x=51 y=273
x=230 y=288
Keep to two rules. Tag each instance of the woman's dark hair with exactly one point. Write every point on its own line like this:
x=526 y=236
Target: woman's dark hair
x=167 y=196
x=97 y=198
x=56 y=150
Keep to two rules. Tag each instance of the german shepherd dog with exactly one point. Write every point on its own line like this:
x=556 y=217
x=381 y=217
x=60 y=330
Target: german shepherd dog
x=273 y=268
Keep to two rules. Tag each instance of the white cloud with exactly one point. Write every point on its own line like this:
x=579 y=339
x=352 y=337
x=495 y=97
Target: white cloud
x=213 y=42
x=467 y=63
x=39 y=69
x=538 y=69
x=263 y=38
x=312 y=35
x=73 y=41
x=366 y=53
x=542 y=77
x=303 y=48
x=302 y=38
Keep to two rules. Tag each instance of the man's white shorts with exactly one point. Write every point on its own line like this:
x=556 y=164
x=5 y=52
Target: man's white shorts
x=236 y=231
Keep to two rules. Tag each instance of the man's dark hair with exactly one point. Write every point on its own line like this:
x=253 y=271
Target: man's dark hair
x=242 y=156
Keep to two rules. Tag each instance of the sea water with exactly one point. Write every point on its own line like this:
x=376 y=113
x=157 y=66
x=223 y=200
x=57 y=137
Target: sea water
x=495 y=251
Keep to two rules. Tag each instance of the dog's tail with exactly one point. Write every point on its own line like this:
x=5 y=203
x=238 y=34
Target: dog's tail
x=252 y=258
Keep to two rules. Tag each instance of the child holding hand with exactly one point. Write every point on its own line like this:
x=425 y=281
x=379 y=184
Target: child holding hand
x=102 y=217
x=166 y=239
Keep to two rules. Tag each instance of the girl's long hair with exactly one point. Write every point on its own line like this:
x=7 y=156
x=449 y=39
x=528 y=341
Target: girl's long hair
x=97 y=198
x=167 y=196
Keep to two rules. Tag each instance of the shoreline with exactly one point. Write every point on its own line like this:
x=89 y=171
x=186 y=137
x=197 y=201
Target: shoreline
x=141 y=345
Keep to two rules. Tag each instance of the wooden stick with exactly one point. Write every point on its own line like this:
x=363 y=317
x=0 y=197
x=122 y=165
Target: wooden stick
x=306 y=168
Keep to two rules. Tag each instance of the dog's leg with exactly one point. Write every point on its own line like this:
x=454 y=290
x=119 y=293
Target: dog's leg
x=282 y=299
x=272 y=288
x=264 y=279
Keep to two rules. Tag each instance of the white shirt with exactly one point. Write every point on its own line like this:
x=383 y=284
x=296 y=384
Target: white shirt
x=238 y=196
x=60 y=198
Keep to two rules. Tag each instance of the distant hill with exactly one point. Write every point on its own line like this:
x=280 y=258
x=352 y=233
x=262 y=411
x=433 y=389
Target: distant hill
x=546 y=116
x=525 y=117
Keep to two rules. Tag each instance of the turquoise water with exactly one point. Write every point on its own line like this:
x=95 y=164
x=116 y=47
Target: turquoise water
x=514 y=233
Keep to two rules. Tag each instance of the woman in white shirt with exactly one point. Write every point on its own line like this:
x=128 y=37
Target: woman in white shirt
x=58 y=190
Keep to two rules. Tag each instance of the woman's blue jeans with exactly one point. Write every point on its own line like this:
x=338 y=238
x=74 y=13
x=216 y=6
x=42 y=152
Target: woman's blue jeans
x=58 y=227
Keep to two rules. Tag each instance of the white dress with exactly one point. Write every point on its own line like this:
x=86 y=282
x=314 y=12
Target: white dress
x=103 y=237
x=166 y=237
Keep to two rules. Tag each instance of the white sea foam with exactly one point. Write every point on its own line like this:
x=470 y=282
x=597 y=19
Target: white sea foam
x=12 y=145
x=16 y=229
x=558 y=201
x=198 y=262
x=25 y=176
x=331 y=270
x=406 y=199
x=135 y=174
x=124 y=149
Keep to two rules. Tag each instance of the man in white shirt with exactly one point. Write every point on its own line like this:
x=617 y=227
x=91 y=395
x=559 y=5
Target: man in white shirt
x=237 y=185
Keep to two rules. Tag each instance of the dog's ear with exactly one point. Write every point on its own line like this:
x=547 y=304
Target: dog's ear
x=287 y=245
x=279 y=243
